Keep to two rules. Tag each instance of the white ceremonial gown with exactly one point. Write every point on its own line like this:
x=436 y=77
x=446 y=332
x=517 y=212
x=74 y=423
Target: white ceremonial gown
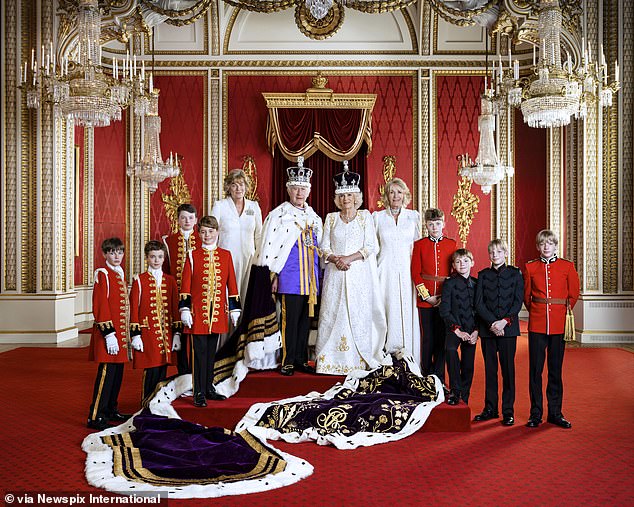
x=240 y=234
x=395 y=244
x=352 y=329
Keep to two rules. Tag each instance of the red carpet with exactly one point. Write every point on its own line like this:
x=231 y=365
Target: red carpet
x=46 y=393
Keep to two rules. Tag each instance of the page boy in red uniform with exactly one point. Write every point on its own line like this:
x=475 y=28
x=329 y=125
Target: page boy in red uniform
x=178 y=244
x=431 y=265
x=153 y=318
x=209 y=295
x=550 y=283
x=109 y=344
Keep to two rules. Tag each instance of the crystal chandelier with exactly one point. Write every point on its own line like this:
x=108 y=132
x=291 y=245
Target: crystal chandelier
x=78 y=87
x=150 y=167
x=487 y=169
x=555 y=93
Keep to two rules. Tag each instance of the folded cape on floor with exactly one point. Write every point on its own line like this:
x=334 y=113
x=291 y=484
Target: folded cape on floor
x=383 y=405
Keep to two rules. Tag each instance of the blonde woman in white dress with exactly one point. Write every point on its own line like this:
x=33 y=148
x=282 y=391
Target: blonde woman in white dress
x=351 y=333
x=240 y=221
x=396 y=230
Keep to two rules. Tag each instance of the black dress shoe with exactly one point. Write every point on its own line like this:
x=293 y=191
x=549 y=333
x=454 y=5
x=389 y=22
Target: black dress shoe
x=117 y=416
x=100 y=424
x=486 y=415
x=533 y=422
x=508 y=420
x=211 y=394
x=306 y=368
x=199 y=400
x=452 y=399
x=287 y=370
x=559 y=420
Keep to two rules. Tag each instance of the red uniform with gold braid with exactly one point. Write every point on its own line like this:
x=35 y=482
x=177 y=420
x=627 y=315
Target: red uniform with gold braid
x=110 y=309
x=543 y=283
x=207 y=276
x=549 y=285
x=209 y=290
x=154 y=315
x=431 y=265
x=177 y=248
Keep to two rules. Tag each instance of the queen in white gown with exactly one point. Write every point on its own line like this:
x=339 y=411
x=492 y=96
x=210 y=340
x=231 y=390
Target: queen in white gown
x=351 y=332
x=396 y=229
x=240 y=221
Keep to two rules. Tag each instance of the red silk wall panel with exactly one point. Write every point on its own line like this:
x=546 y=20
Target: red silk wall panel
x=392 y=124
x=530 y=188
x=110 y=185
x=182 y=105
x=457 y=110
x=79 y=259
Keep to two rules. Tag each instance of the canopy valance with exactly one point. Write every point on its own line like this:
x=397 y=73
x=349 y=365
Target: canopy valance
x=337 y=124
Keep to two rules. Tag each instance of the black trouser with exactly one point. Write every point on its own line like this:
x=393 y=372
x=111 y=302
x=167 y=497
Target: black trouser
x=537 y=345
x=203 y=356
x=106 y=390
x=504 y=346
x=182 y=357
x=460 y=368
x=295 y=328
x=151 y=378
x=432 y=329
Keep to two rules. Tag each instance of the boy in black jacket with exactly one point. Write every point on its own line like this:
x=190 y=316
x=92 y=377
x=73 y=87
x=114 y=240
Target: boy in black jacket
x=498 y=302
x=457 y=308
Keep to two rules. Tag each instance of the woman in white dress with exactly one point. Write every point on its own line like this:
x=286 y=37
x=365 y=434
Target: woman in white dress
x=351 y=332
x=396 y=229
x=240 y=221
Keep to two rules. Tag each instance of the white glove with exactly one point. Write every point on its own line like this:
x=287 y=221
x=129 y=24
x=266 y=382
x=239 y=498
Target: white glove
x=137 y=343
x=186 y=317
x=235 y=316
x=176 y=342
x=112 y=345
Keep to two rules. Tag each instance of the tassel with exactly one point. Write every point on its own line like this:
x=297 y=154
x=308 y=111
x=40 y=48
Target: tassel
x=569 y=327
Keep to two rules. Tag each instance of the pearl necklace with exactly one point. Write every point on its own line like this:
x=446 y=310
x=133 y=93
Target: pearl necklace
x=347 y=219
x=395 y=211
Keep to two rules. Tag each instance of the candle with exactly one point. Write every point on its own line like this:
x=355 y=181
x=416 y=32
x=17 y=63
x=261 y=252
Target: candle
x=553 y=54
x=142 y=70
x=66 y=62
x=516 y=70
x=88 y=49
x=134 y=66
x=151 y=83
x=24 y=79
x=100 y=55
x=48 y=63
x=34 y=76
x=616 y=71
x=42 y=58
x=79 y=52
x=534 y=61
x=510 y=58
x=583 y=46
x=52 y=56
x=32 y=58
x=129 y=159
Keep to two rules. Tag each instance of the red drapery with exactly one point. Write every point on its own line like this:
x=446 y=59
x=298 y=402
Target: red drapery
x=339 y=133
x=323 y=189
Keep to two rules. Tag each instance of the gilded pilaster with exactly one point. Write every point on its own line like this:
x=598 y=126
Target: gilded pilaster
x=554 y=181
x=28 y=164
x=503 y=196
x=625 y=104
x=214 y=32
x=421 y=169
x=426 y=28
x=9 y=171
x=89 y=204
x=610 y=226
x=215 y=172
x=572 y=208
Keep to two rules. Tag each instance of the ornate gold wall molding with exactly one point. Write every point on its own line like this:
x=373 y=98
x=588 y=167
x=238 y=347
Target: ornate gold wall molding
x=554 y=181
x=9 y=170
x=89 y=205
x=423 y=144
x=573 y=166
x=610 y=227
x=414 y=62
x=503 y=197
x=625 y=103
